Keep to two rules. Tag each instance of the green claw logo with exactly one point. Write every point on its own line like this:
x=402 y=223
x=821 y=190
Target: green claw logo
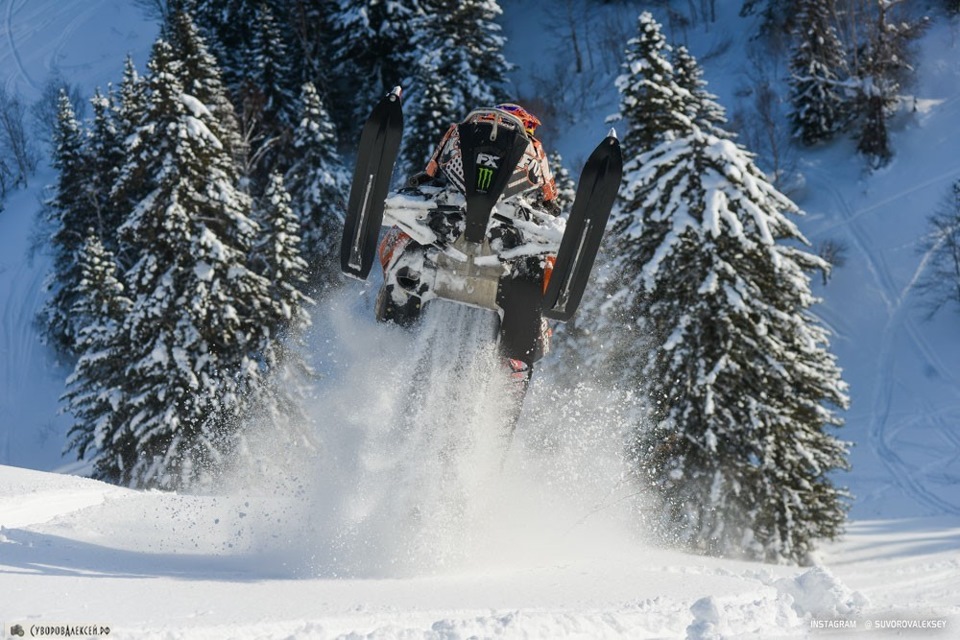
x=487 y=163
x=484 y=178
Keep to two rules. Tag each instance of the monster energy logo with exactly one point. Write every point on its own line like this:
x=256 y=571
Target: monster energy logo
x=484 y=178
x=486 y=164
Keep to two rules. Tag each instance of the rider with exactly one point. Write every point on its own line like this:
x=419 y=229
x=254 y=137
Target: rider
x=445 y=164
x=448 y=151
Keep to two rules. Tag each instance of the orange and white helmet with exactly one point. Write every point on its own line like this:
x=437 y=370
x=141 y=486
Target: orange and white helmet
x=530 y=121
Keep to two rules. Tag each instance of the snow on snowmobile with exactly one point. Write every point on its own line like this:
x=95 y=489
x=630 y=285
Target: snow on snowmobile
x=475 y=231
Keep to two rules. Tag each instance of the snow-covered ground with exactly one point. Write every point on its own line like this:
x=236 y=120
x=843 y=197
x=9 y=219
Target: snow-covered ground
x=152 y=565
x=542 y=548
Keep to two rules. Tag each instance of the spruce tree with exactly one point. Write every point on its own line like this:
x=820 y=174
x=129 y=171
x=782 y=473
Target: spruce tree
x=652 y=104
x=882 y=69
x=435 y=112
x=566 y=186
x=105 y=150
x=132 y=100
x=817 y=67
x=701 y=106
x=318 y=185
x=227 y=27
x=131 y=111
x=95 y=389
x=309 y=23
x=269 y=96
x=69 y=213
x=201 y=77
x=657 y=86
x=197 y=316
x=463 y=42
x=712 y=309
x=280 y=262
x=371 y=53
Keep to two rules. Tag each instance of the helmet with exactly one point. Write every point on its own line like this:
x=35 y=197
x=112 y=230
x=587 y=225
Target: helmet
x=530 y=121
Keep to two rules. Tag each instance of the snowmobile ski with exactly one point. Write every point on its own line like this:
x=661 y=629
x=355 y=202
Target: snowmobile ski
x=379 y=146
x=596 y=192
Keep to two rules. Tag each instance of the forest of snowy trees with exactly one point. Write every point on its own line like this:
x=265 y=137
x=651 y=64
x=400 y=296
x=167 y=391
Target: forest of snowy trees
x=197 y=210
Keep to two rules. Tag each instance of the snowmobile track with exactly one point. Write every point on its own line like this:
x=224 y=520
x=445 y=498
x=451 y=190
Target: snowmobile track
x=899 y=319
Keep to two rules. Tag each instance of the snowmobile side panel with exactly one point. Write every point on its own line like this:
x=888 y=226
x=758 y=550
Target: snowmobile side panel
x=596 y=193
x=379 y=146
x=490 y=152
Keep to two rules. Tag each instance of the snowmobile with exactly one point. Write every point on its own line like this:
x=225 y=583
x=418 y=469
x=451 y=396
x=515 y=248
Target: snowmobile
x=475 y=236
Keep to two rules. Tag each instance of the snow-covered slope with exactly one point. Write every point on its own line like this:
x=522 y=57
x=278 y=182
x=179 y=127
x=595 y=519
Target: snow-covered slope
x=904 y=369
x=150 y=565
x=548 y=554
x=84 y=43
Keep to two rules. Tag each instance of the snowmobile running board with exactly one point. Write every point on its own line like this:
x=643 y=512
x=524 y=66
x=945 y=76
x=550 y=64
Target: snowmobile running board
x=379 y=146
x=596 y=193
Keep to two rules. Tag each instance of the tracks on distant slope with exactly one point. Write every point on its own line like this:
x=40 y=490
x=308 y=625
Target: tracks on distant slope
x=55 y=17
x=8 y=25
x=898 y=318
x=19 y=340
x=89 y=8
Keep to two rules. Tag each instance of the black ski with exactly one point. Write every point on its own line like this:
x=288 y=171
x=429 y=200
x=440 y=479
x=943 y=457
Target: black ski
x=596 y=192
x=379 y=146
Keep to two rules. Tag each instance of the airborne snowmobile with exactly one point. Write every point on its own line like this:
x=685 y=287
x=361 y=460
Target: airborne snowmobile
x=471 y=232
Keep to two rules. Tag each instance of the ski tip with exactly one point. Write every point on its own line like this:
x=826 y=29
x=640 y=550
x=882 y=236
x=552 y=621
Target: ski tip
x=395 y=93
x=613 y=133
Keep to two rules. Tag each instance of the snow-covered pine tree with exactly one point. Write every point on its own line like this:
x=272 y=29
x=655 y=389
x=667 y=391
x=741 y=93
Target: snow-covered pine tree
x=714 y=298
x=318 y=185
x=94 y=393
x=268 y=96
x=566 y=185
x=105 y=150
x=227 y=26
x=652 y=103
x=131 y=110
x=654 y=106
x=281 y=263
x=817 y=70
x=68 y=213
x=882 y=68
x=308 y=23
x=464 y=43
x=701 y=107
x=132 y=100
x=195 y=325
x=434 y=112
x=372 y=52
x=202 y=77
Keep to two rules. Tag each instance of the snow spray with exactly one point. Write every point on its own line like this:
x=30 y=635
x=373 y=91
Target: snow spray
x=415 y=469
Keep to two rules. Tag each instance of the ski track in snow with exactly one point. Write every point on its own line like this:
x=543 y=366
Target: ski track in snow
x=882 y=428
x=14 y=51
x=20 y=344
x=27 y=19
x=90 y=7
